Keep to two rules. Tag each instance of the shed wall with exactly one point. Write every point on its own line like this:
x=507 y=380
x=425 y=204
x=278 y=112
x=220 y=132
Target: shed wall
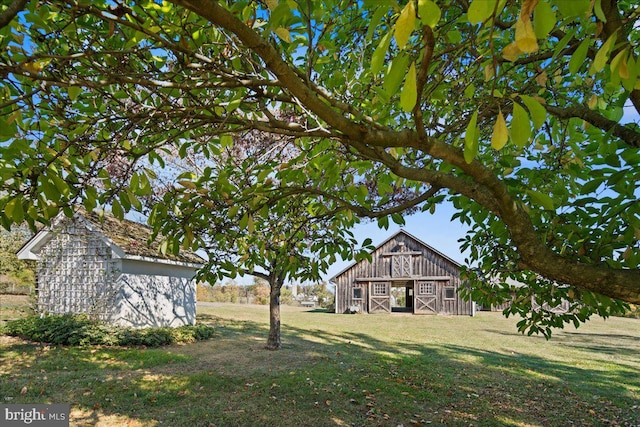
x=145 y=300
x=75 y=272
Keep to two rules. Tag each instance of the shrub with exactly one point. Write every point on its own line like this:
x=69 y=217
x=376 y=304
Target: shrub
x=79 y=329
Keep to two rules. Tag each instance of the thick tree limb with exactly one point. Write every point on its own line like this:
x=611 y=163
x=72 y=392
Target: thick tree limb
x=10 y=12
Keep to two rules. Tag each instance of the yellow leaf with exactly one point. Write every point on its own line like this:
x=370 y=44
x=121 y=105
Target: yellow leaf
x=500 y=133
x=489 y=72
x=511 y=52
x=593 y=101
x=528 y=7
x=624 y=69
x=250 y=224
x=187 y=184
x=525 y=36
x=409 y=94
x=283 y=33
x=271 y=4
x=405 y=25
x=33 y=67
x=542 y=78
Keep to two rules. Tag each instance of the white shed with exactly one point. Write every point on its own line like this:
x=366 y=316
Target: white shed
x=106 y=268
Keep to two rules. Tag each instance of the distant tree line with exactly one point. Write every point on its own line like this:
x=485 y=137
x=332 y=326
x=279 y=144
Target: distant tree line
x=258 y=293
x=16 y=276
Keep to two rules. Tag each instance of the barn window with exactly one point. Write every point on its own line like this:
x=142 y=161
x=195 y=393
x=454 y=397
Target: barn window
x=357 y=293
x=379 y=289
x=401 y=266
x=449 y=292
x=426 y=288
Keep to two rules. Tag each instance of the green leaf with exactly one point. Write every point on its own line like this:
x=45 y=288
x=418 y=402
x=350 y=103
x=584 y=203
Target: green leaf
x=544 y=20
x=377 y=59
x=542 y=199
x=396 y=73
x=602 y=56
x=7 y=130
x=384 y=188
x=375 y=20
x=226 y=141
x=188 y=238
x=116 y=209
x=470 y=91
x=591 y=186
x=73 y=92
x=471 y=137
x=244 y=221
x=429 y=13
x=520 y=126
x=409 y=94
x=383 y=222
x=480 y=10
x=578 y=57
x=597 y=9
x=571 y=8
x=633 y=68
x=13 y=210
x=134 y=183
x=233 y=211
x=537 y=111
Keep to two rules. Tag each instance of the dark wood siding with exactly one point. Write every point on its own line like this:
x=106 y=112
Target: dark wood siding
x=426 y=264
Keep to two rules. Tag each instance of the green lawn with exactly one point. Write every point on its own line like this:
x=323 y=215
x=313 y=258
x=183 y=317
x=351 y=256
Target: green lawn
x=343 y=370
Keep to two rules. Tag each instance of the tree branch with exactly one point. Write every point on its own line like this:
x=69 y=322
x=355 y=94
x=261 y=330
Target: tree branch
x=628 y=135
x=10 y=12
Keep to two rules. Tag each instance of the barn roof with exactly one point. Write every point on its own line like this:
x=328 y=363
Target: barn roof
x=393 y=236
x=132 y=238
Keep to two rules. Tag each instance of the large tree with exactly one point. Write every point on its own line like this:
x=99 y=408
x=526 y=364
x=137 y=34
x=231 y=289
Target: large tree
x=513 y=110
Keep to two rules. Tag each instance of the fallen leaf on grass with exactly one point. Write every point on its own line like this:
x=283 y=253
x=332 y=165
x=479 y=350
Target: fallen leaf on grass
x=24 y=390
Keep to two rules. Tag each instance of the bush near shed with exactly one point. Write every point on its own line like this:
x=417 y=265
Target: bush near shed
x=80 y=330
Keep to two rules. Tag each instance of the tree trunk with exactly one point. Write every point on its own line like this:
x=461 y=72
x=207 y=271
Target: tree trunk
x=274 y=342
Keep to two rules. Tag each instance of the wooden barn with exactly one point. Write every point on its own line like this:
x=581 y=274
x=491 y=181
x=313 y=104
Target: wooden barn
x=105 y=267
x=404 y=275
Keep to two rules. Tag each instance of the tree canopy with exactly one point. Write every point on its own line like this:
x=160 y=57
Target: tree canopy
x=512 y=110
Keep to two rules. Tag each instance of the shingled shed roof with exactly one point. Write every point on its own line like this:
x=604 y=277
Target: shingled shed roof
x=131 y=238
x=134 y=238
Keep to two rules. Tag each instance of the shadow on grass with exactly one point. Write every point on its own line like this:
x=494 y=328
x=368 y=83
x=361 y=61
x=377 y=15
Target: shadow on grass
x=321 y=378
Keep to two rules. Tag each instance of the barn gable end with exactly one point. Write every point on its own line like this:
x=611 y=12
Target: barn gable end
x=104 y=268
x=429 y=280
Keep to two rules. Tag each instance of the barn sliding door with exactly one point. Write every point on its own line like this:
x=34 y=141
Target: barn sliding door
x=380 y=299
x=425 y=299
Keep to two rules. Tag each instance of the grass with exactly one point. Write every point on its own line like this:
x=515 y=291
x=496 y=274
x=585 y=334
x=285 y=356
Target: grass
x=342 y=370
x=15 y=306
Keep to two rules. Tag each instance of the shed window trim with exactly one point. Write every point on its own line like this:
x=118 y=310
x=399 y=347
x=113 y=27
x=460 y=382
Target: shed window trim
x=357 y=293
x=449 y=293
